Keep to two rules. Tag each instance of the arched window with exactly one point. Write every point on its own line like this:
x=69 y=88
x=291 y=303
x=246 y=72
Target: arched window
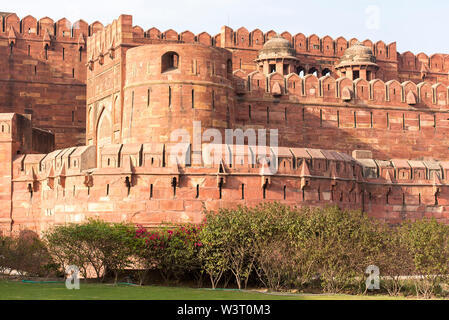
x=229 y=66
x=300 y=71
x=313 y=71
x=326 y=72
x=170 y=61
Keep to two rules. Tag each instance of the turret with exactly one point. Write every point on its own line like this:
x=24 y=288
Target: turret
x=358 y=62
x=277 y=55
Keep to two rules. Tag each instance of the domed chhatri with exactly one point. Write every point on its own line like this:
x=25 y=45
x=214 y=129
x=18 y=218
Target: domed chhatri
x=277 y=55
x=357 y=54
x=358 y=61
x=277 y=47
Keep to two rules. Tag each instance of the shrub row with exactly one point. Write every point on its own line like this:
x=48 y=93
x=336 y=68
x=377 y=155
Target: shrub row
x=272 y=246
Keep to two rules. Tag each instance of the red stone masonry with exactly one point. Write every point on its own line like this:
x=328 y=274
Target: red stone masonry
x=43 y=73
x=375 y=145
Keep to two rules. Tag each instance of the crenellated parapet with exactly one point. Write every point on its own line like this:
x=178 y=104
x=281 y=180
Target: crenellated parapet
x=343 y=90
x=43 y=67
x=143 y=182
x=62 y=30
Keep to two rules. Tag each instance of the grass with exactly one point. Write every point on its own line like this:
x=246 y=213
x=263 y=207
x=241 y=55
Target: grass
x=10 y=290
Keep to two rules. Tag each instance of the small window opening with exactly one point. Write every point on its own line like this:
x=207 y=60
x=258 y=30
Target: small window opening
x=174 y=184
x=169 y=96
x=128 y=185
x=30 y=190
x=170 y=61
x=264 y=189
x=220 y=189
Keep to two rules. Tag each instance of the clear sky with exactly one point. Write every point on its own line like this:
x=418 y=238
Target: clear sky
x=416 y=25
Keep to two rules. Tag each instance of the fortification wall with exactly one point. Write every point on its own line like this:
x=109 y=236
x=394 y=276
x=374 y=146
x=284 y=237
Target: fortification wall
x=16 y=137
x=140 y=184
x=391 y=119
x=43 y=73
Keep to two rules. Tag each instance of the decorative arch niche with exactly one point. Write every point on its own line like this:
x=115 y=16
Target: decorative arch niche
x=104 y=132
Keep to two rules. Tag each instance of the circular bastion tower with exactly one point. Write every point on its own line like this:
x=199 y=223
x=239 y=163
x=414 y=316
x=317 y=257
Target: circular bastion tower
x=169 y=86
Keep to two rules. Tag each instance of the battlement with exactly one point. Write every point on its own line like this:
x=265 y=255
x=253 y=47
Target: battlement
x=33 y=29
x=243 y=39
x=425 y=96
x=139 y=182
x=160 y=159
x=132 y=89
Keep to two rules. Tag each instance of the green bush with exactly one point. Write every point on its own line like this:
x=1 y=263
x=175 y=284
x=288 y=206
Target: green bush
x=428 y=243
x=173 y=251
x=271 y=245
x=96 y=244
x=25 y=254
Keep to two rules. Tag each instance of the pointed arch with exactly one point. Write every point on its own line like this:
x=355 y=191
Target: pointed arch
x=300 y=42
x=394 y=91
x=103 y=131
x=425 y=94
x=153 y=33
x=439 y=94
x=377 y=91
x=294 y=84
x=361 y=87
x=328 y=88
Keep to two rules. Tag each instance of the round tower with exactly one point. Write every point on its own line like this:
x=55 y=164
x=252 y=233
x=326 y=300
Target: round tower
x=170 y=86
x=358 y=61
x=277 y=55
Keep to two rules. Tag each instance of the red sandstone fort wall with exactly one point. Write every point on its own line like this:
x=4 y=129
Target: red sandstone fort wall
x=139 y=184
x=43 y=73
x=50 y=84
x=124 y=174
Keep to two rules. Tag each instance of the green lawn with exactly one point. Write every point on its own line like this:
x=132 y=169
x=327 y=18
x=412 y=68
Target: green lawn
x=56 y=291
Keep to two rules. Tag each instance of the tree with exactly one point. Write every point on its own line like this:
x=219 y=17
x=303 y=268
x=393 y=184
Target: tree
x=97 y=244
x=395 y=261
x=427 y=242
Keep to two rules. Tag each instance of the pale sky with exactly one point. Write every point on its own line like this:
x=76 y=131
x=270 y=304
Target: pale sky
x=416 y=25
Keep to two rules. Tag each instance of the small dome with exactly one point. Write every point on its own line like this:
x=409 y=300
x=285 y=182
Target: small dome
x=277 y=47
x=357 y=54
